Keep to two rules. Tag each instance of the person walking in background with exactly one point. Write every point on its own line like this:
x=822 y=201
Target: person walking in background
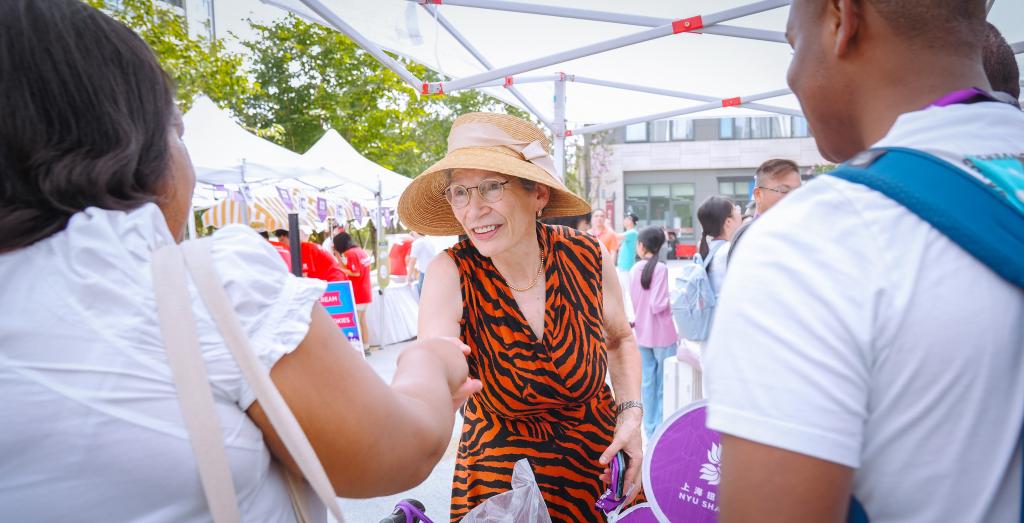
x=719 y=219
x=773 y=180
x=655 y=331
x=421 y=254
x=603 y=232
x=626 y=257
x=355 y=264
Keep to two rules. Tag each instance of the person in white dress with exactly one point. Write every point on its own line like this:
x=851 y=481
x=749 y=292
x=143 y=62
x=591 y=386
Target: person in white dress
x=93 y=178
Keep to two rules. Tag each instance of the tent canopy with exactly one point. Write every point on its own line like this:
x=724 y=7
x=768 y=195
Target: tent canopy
x=224 y=152
x=338 y=156
x=714 y=65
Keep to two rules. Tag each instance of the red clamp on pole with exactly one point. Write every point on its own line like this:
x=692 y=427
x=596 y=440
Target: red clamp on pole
x=732 y=102
x=687 y=24
x=508 y=81
x=430 y=89
x=561 y=77
x=568 y=133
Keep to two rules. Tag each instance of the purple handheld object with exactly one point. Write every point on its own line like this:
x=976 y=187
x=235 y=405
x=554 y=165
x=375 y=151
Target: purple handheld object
x=613 y=497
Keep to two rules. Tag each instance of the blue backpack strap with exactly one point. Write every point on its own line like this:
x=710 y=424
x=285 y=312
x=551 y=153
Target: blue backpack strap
x=981 y=219
x=975 y=216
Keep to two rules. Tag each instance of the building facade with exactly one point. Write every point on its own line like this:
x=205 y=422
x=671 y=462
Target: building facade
x=663 y=170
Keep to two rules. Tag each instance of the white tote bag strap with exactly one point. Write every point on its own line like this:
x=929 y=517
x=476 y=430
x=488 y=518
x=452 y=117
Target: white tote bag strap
x=178 y=329
x=200 y=264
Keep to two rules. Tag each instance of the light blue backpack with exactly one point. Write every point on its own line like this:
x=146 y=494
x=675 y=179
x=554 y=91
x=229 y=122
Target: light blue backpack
x=693 y=298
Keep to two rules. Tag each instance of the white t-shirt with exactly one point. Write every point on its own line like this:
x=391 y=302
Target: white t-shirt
x=423 y=250
x=92 y=427
x=852 y=331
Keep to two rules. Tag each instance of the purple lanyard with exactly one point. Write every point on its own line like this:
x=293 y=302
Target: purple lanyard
x=964 y=96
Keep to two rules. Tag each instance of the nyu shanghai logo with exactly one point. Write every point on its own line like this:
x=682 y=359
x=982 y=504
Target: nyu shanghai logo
x=712 y=471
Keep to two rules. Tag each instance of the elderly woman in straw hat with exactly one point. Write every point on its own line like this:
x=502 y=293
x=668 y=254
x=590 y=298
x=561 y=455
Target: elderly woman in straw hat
x=541 y=309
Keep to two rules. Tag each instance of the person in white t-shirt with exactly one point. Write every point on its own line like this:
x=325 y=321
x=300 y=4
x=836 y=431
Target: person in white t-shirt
x=421 y=254
x=95 y=178
x=857 y=351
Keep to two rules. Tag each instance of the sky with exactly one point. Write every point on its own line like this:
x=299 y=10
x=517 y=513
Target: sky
x=711 y=65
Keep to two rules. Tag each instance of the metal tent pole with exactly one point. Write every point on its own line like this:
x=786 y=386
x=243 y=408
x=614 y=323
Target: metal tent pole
x=483 y=61
x=332 y=18
x=728 y=102
x=678 y=94
x=559 y=128
x=675 y=27
x=618 y=18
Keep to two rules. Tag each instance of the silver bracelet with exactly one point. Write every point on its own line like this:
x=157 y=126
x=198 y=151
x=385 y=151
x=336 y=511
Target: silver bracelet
x=629 y=405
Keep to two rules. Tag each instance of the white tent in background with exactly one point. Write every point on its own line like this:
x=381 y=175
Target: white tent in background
x=225 y=153
x=336 y=154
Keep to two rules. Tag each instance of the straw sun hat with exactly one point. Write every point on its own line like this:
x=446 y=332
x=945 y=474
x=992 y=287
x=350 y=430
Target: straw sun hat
x=493 y=142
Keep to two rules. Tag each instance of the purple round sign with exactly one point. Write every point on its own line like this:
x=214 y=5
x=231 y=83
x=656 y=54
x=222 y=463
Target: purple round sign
x=682 y=469
x=642 y=513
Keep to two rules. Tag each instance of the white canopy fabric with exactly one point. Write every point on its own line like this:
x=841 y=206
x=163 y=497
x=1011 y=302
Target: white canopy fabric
x=336 y=154
x=711 y=65
x=223 y=152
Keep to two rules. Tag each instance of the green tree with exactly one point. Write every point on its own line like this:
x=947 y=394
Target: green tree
x=309 y=78
x=195 y=65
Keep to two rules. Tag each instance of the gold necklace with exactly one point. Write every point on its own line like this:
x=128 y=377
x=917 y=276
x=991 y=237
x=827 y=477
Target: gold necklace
x=536 y=277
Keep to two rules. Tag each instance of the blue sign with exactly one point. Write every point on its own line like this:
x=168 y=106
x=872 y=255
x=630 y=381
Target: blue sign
x=341 y=305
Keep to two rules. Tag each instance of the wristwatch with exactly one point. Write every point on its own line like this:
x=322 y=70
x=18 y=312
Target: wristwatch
x=629 y=405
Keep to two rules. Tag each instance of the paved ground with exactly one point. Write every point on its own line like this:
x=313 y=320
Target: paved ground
x=434 y=492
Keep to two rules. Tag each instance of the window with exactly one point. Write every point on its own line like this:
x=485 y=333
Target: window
x=762 y=127
x=636 y=132
x=668 y=205
x=682 y=129
x=739 y=190
x=800 y=128
x=725 y=128
x=660 y=131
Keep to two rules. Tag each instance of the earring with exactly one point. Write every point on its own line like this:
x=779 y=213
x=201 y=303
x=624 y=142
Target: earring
x=540 y=212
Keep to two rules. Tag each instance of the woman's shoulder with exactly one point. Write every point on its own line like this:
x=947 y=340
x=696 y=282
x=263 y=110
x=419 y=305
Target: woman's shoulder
x=571 y=237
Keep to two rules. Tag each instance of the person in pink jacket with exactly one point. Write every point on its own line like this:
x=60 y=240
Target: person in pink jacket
x=655 y=331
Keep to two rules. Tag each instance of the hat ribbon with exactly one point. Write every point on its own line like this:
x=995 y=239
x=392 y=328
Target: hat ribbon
x=488 y=135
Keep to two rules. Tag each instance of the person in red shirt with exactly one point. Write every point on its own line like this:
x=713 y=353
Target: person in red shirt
x=281 y=251
x=316 y=263
x=356 y=265
x=399 y=257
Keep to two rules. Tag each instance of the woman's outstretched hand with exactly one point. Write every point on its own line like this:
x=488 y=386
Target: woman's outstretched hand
x=453 y=353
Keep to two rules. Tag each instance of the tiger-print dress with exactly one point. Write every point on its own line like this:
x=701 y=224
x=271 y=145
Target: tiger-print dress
x=542 y=400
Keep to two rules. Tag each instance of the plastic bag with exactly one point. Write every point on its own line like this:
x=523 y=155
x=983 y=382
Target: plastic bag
x=522 y=504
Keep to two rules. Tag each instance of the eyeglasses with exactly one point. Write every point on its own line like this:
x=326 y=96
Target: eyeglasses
x=782 y=189
x=489 y=190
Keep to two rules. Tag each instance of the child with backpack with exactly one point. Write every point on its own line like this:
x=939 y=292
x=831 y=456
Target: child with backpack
x=655 y=330
x=696 y=289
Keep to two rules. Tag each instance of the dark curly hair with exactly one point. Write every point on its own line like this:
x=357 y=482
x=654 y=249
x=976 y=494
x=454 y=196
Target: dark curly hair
x=86 y=114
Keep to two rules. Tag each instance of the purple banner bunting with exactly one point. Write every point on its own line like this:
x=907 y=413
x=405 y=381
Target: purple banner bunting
x=286 y=198
x=321 y=209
